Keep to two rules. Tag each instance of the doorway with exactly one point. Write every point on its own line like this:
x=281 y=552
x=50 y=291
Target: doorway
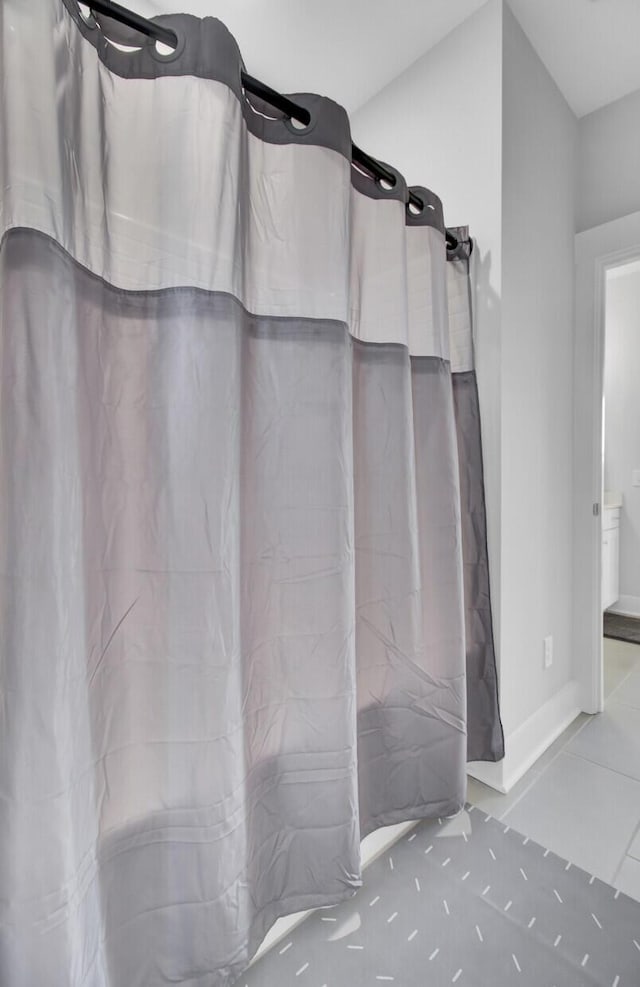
x=620 y=556
x=600 y=252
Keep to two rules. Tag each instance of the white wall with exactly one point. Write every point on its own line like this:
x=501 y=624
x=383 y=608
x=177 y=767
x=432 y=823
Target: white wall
x=608 y=175
x=539 y=158
x=622 y=415
x=440 y=124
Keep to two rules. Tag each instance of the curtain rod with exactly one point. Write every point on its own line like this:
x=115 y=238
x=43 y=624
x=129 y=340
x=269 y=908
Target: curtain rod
x=168 y=37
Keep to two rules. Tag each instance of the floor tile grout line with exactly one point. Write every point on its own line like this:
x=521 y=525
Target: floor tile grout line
x=632 y=671
x=635 y=833
x=626 y=854
x=631 y=841
x=569 y=740
x=620 y=702
x=604 y=767
x=536 y=775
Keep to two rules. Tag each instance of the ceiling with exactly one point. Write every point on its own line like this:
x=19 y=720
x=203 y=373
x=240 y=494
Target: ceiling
x=590 y=47
x=350 y=49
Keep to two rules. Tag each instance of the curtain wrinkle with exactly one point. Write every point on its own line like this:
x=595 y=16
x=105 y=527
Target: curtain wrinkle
x=245 y=608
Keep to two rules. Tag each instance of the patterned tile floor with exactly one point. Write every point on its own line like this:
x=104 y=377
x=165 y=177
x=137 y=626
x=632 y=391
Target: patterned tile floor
x=466 y=901
x=582 y=797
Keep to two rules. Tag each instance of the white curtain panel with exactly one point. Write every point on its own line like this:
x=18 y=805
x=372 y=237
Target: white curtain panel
x=245 y=613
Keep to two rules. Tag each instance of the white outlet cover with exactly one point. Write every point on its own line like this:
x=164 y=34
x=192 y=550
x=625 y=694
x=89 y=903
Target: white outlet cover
x=635 y=478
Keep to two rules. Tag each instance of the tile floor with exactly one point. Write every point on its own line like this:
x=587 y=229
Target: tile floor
x=582 y=797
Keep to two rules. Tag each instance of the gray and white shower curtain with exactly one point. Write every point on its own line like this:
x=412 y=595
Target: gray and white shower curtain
x=245 y=612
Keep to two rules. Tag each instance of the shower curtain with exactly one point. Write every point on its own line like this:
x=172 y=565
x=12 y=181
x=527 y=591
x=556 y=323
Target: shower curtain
x=242 y=544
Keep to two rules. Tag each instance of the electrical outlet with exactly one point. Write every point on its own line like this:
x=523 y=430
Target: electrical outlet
x=548 y=651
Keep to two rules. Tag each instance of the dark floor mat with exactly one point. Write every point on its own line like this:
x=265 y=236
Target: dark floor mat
x=622 y=628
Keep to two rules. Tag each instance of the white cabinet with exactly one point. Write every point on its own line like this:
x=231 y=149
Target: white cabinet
x=610 y=555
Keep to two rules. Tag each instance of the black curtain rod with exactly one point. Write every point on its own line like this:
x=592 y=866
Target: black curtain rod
x=167 y=37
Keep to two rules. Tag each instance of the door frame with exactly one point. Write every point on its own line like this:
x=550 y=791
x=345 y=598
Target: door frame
x=596 y=251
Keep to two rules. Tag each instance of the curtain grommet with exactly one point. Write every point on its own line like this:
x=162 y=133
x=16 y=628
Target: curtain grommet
x=388 y=185
x=297 y=128
x=385 y=185
x=173 y=53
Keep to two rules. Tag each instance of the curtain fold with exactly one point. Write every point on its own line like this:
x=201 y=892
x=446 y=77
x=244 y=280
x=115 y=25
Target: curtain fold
x=485 y=738
x=245 y=613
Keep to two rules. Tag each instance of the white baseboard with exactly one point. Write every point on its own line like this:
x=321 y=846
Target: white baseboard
x=626 y=606
x=525 y=744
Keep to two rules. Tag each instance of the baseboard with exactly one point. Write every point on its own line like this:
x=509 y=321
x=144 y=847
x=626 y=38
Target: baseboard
x=626 y=606
x=525 y=744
